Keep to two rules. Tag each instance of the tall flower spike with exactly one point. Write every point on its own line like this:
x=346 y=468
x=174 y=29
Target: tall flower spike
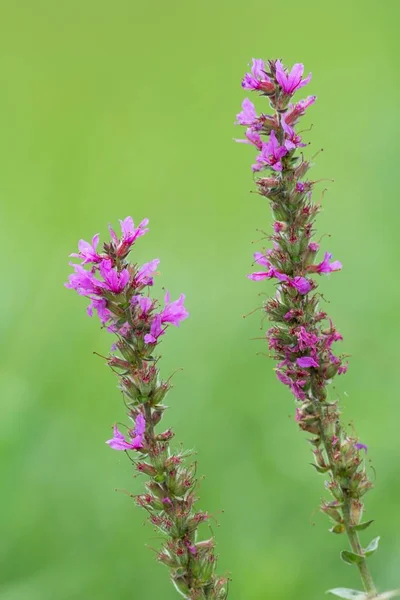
x=119 y=292
x=302 y=335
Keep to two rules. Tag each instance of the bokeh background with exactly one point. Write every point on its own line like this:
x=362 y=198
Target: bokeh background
x=126 y=107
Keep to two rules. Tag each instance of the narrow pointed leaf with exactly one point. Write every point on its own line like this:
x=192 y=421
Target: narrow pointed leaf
x=348 y=594
x=320 y=469
x=362 y=526
x=350 y=557
x=372 y=547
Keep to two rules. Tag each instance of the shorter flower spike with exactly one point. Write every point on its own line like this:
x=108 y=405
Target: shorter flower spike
x=119 y=292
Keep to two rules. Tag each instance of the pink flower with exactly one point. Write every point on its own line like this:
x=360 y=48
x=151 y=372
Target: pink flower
x=343 y=369
x=306 y=361
x=118 y=442
x=82 y=281
x=325 y=266
x=306 y=339
x=248 y=115
x=290 y=315
x=144 y=302
x=114 y=280
x=129 y=233
x=285 y=379
x=156 y=330
x=297 y=391
x=262 y=260
x=301 y=284
x=270 y=155
x=292 y=140
x=295 y=386
x=252 y=138
x=100 y=305
x=258 y=79
x=290 y=82
x=192 y=549
x=313 y=247
x=144 y=276
x=88 y=251
x=259 y=276
x=299 y=109
x=360 y=446
x=174 y=312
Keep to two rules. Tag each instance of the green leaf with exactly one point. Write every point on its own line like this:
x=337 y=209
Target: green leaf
x=320 y=469
x=350 y=557
x=362 y=526
x=387 y=595
x=372 y=547
x=348 y=594
x=338 y=528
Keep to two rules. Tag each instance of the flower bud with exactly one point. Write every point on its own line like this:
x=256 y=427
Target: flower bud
x=206 y=568
x=155 y=489
x=320 y=459
x=310 y=424
x=331 y=509
x=302 y=169
x=159 y=393
x=356 y=511
x=156 y=416
x=206 y=544
x=127 y=351
x=143 y=467
x=114 y=361
x=329 y=369
x=165 y=558
x=129 y=388
x=165 y=436
x=335 y=490
x=221 y=588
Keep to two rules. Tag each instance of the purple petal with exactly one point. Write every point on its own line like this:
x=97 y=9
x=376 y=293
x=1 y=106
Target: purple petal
x=258 y=276
x=306 y=361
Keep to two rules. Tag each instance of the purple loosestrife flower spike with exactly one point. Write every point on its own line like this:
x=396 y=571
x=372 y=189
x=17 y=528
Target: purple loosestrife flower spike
x=119 y=292
x=302 y=335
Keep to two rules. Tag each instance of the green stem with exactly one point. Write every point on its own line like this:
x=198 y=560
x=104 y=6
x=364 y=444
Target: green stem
x=352 y=534
x=354 y=540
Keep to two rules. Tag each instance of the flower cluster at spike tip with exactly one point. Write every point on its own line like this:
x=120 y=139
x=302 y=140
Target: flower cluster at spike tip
x=302 y=336
x=108 y=277
x=119 y=292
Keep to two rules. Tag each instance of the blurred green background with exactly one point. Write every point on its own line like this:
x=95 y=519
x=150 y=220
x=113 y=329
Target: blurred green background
x=116 y=108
